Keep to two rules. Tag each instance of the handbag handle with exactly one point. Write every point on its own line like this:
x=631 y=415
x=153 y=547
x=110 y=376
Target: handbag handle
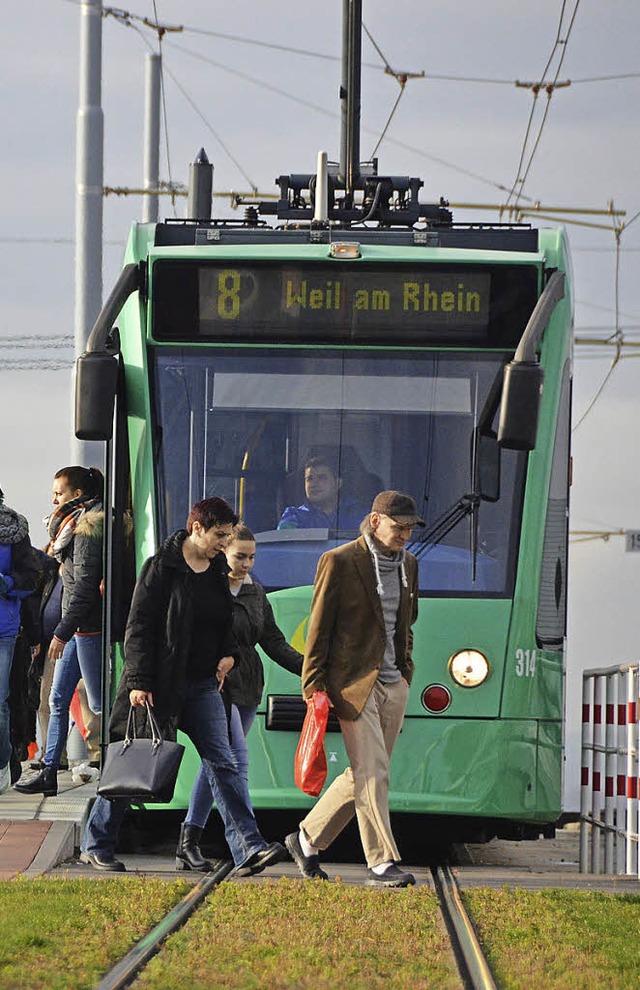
x=156 y=735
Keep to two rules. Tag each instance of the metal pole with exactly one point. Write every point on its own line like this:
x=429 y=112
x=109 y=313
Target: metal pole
x=599 y=682
x=631 y=783
x=350 y=96
x=107 y=597
x=152 y=70
x=89 y=186
x=586 y=767
x=610 y=766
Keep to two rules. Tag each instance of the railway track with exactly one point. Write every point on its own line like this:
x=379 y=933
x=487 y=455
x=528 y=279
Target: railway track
x=126 y=970
x=472 y=965
x=473 y=968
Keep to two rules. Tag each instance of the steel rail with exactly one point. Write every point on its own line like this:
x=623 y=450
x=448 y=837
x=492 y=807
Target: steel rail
x=472 y=965
x=124 y=971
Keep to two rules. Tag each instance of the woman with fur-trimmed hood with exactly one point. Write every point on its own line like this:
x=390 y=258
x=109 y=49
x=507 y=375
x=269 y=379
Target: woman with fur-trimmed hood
x=76 y=528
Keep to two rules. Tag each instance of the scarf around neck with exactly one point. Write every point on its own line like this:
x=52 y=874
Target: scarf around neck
x=62 y=523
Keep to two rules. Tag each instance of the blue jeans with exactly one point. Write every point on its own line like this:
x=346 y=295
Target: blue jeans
x=7 y=646
x=81 y=659
x=204 y=720
x=201 y=800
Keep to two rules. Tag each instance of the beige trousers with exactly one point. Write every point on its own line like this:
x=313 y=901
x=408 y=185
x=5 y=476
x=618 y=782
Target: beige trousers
x=363 y=788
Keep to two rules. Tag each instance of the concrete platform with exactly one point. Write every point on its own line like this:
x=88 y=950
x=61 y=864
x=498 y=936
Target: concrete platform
x=37 y=833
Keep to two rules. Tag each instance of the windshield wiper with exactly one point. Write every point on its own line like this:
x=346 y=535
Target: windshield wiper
x=465 y=506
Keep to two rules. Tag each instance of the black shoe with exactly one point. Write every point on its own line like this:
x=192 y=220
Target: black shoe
x=15 y=767
x=103 y=861
x=392 y=877
x=45 y=783
x=36 y=765
x=309 y=866
x=188 y=854
x=274 y=853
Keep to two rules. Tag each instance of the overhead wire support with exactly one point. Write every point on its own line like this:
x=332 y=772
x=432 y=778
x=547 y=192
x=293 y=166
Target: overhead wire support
x=126 y=18
x=588 y=535
x=548 y=87
x=401 y=78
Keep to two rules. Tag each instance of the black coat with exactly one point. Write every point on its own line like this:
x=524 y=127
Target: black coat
x=158 y=634
x=33 y=607
x=253 y=622
x=81 y=577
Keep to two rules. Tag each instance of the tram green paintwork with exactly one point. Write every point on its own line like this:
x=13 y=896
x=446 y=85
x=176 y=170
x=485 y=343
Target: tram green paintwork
x=497 y=752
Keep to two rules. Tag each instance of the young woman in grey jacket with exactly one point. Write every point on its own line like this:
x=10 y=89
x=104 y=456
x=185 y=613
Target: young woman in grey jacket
x=76 y=530
x=253 y=624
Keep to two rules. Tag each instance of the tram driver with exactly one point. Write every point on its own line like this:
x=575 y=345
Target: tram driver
x=325 y=505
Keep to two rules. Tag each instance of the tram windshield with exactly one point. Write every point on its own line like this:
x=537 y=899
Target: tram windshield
x=299 y=441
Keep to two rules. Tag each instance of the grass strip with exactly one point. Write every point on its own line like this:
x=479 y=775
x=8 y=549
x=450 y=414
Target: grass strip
x=60 y=933
x=558 y=939
x=288 y=934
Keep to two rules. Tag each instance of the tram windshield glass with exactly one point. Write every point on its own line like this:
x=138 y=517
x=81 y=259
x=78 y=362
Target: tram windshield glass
x=299 y=441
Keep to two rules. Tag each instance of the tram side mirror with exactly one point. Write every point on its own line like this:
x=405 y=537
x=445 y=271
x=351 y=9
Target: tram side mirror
x=488 y=476
x=96 y=382
x=521 y=394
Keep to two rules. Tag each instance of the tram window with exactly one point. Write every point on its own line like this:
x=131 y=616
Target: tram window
x=240 y=423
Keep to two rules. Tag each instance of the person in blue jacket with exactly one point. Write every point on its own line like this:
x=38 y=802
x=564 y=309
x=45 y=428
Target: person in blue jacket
x=19 y=573
x=325 y=505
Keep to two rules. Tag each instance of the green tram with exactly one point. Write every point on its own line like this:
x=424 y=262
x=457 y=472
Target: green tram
x=418 y=349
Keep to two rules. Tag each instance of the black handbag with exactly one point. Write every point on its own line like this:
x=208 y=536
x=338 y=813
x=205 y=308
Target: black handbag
x=141 y=770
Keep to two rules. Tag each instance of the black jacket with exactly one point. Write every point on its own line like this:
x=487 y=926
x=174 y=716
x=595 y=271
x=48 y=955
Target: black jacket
x=81 y=577
x=253 y=622
x=33 y=607
x=158 y=634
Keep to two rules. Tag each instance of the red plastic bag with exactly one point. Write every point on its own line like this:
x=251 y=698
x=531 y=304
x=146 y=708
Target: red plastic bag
x=310 y=764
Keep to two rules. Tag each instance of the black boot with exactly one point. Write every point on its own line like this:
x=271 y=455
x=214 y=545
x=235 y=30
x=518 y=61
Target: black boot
x=188 y=855
x=45 y=782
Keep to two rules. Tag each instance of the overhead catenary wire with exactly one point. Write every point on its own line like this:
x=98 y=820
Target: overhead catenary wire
x=521 y=176
x=123 y=16
x=145 y=22
x=211 y=129
x=286 y=94
x=127 y=17
x=616 y=337
x=400 y=77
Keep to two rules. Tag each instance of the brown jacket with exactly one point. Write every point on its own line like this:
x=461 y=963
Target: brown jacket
x=346 y=635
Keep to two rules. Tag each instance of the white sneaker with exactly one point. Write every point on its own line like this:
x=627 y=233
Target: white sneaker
x=5 y=778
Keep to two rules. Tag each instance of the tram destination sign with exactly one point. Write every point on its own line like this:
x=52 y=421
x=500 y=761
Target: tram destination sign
x=340 y=302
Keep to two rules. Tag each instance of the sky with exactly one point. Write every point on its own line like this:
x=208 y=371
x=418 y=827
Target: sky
x=256 y=84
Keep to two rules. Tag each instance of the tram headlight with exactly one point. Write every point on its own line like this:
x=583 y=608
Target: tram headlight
x=469 y=668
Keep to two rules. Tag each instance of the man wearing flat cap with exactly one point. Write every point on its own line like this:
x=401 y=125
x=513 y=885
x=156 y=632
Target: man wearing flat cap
x=358 y=651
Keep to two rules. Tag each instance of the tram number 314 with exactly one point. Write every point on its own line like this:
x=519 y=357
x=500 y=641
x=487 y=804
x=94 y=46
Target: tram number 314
x=526 y=663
